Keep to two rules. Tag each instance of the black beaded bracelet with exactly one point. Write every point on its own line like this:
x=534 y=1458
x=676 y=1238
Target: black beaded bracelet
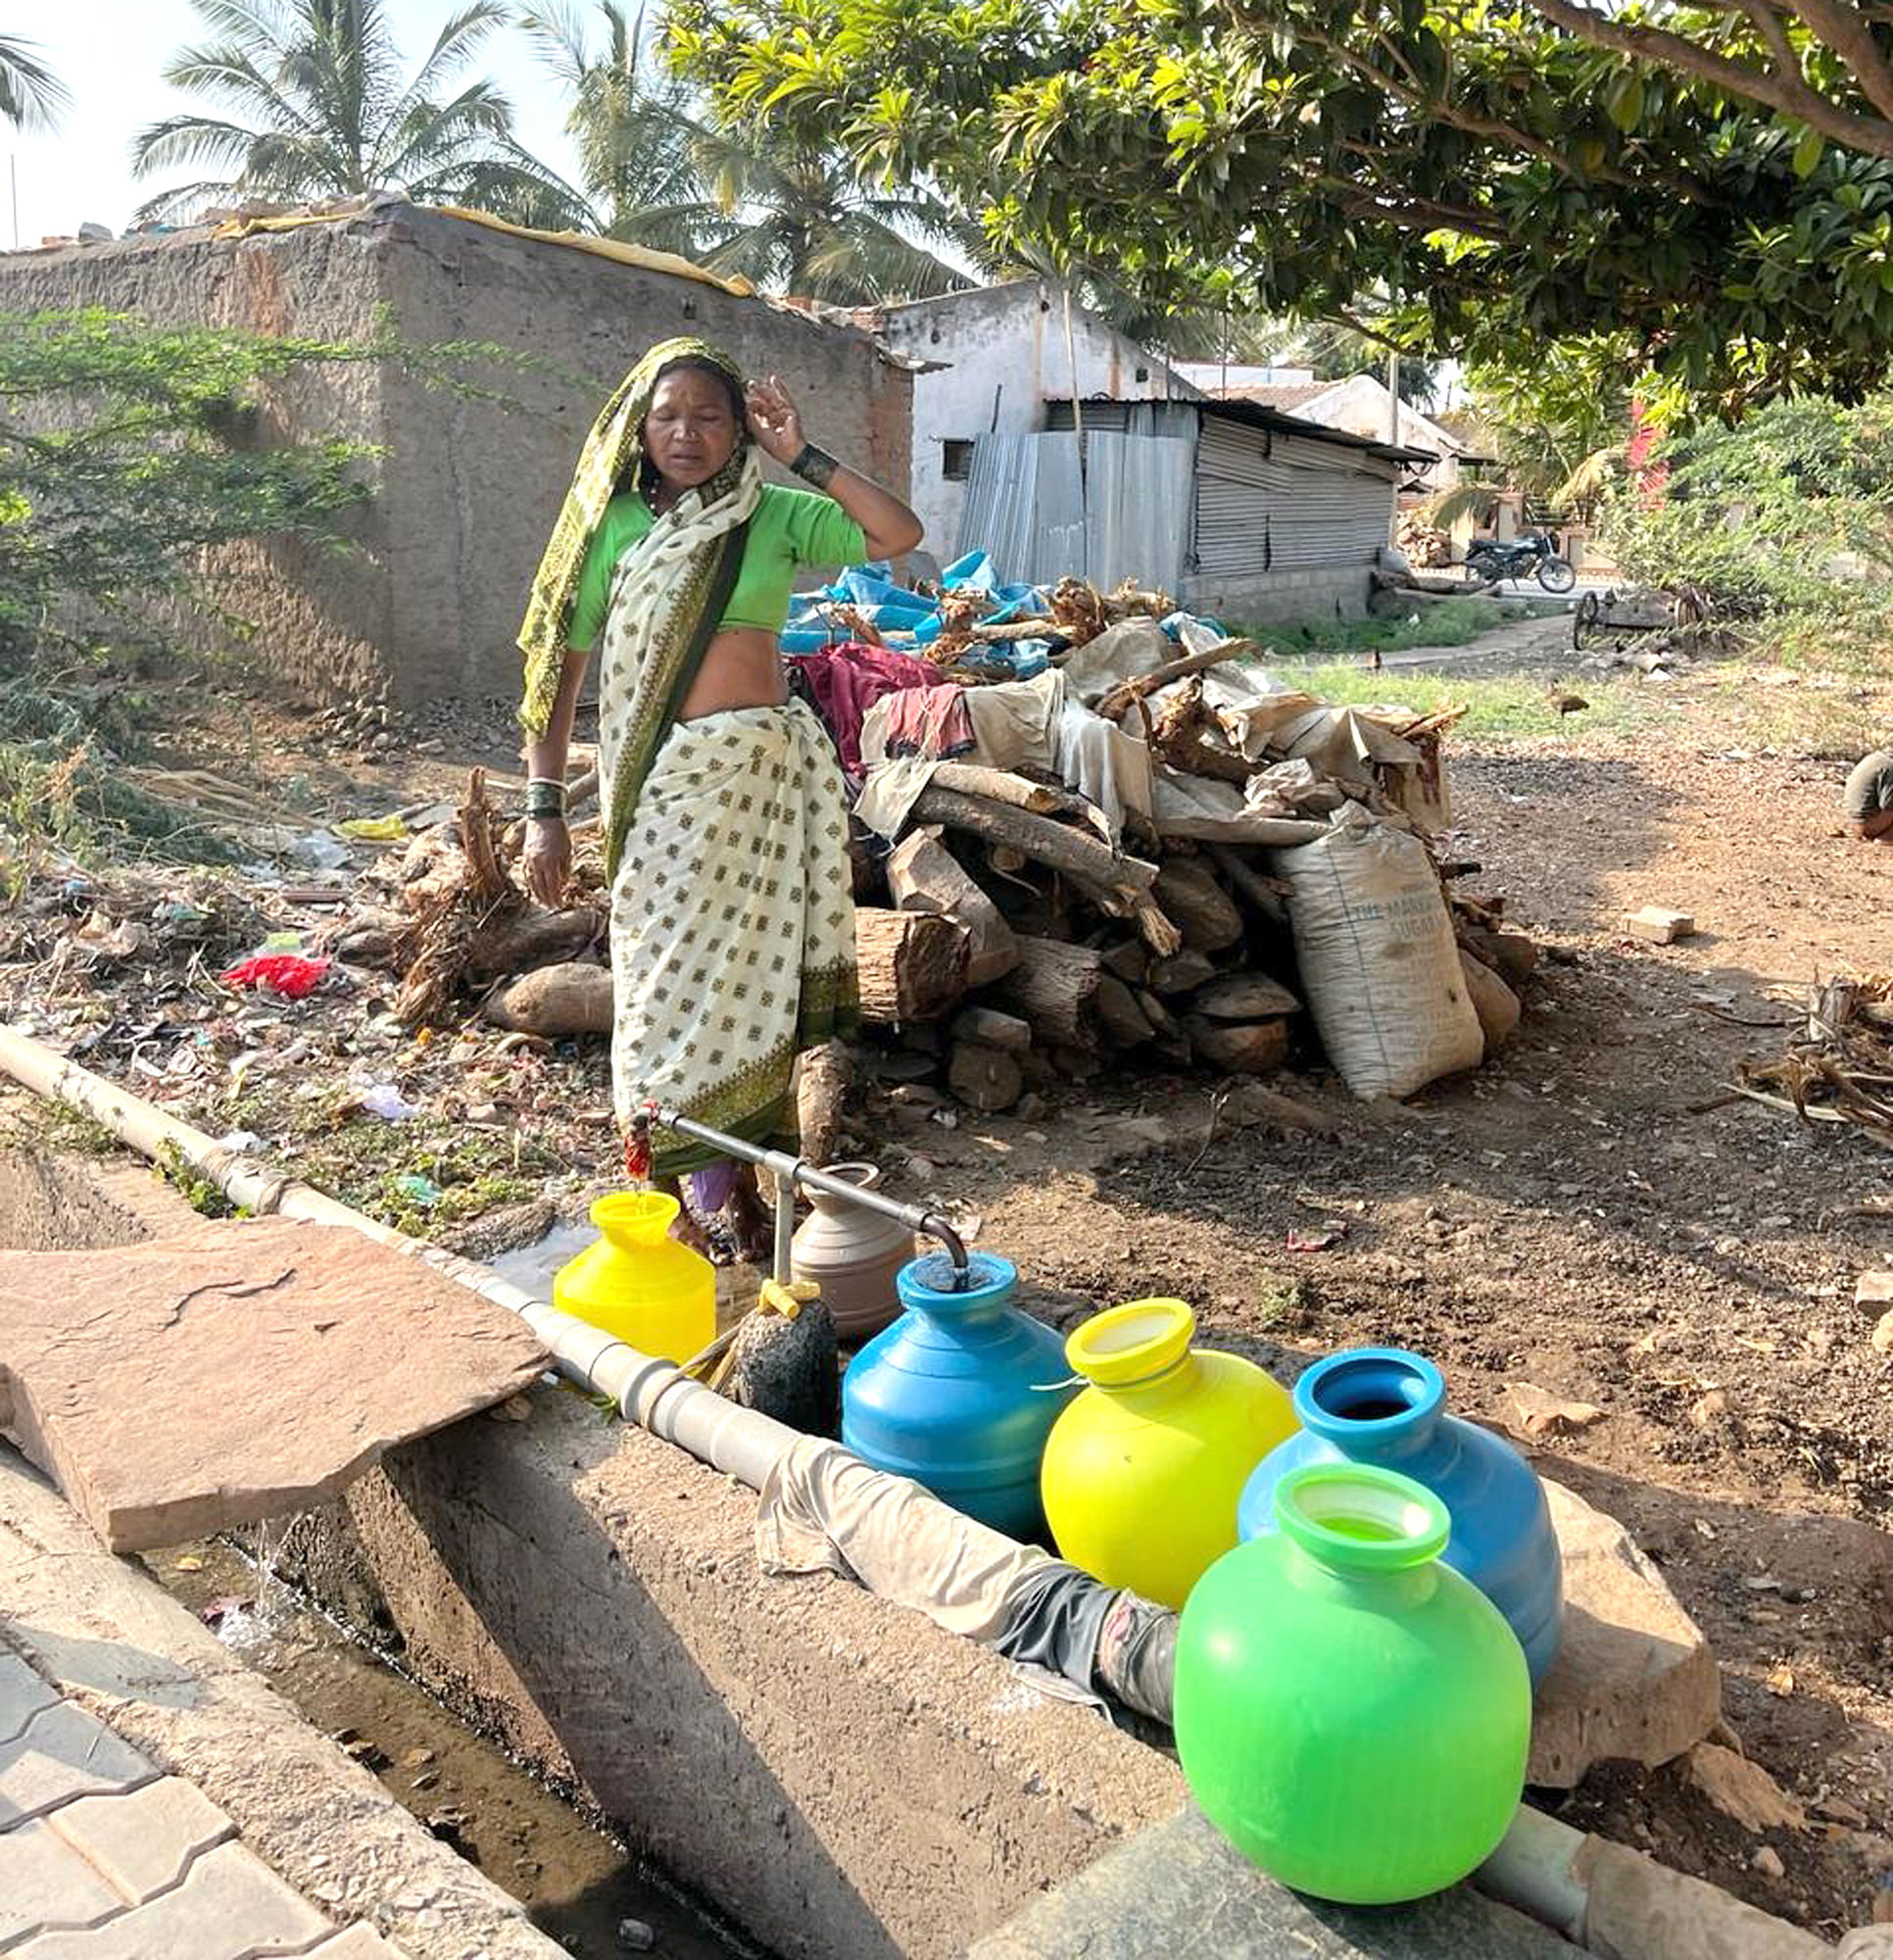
x=814 y=466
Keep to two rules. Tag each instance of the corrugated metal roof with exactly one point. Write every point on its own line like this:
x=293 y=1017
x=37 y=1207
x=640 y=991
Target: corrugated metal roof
x=1255 y=415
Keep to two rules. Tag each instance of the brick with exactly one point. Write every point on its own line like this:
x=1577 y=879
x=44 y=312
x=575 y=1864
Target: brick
x=44 y=1882
x=61 y=1754
x=142 y=1840
x=358 y=1942
x=22 y=1695
x=230 y=1906
x=1873 y=1290
x=1658 y=924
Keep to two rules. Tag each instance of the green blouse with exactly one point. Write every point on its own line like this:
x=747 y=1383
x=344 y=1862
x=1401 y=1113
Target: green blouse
x=791 y=530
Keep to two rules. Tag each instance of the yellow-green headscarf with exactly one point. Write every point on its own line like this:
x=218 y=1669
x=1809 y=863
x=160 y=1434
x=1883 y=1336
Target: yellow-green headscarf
x=612 y=454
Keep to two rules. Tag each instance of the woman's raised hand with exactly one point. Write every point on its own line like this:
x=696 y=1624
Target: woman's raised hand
x=774 y=420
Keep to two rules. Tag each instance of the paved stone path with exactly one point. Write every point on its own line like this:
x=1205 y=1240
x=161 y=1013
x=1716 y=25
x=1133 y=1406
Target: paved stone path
x=103 y=1858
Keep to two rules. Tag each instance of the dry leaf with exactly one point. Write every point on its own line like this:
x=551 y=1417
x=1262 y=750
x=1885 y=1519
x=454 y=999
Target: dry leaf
x=1742 y=1789
x=190 y=1562
x=1537 y=1413
x=1781 y=1680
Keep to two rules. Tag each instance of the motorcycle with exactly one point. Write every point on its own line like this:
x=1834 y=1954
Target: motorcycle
x=1522 y=557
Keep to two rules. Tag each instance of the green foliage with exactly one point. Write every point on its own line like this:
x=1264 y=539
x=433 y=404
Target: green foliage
x=199 y=1192
x=31 y=95
x=1551 y=421
x=1503 y=185
x=1511 y=708
x=313 y=100
x=1448 y=622
x=1759 y=514
x=741 y=199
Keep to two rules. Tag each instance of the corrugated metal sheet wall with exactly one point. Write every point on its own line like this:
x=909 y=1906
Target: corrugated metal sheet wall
x=1263 y=501
x=1268 y=501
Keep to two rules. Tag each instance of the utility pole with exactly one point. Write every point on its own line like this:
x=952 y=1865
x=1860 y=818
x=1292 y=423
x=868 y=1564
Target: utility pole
x=13 y=172
x=1393 y=396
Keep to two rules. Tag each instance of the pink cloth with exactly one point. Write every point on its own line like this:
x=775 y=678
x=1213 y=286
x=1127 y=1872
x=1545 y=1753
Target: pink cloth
x=930 y=721
x=847 y=680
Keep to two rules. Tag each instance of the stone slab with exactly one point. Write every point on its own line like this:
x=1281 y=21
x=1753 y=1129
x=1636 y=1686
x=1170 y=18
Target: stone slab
x=63 y=1753
x=237 y=1371
x=22 y=1695
x=1180 y=1887
x=1634 y=1680
x=358 y=1942
x=230 y=1906
x=142 y=1841
x=45 y=1882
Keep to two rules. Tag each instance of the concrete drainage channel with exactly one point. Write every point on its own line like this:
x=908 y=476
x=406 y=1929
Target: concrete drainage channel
x=839 y=1775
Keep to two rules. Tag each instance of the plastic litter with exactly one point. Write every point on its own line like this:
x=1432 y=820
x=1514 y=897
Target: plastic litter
x=372 y=829
x=289 y=974
x=318 y=848
x=385 y=1101
x=418 y=1190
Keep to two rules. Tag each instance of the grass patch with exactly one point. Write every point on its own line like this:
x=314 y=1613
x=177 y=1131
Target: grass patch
x=373 y=1165
x=1451 y=622
x=1503 y=708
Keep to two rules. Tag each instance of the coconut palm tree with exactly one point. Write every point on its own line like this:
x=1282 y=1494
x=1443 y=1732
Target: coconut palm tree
x=658 y=172
x=31 y=95
x=317 y=102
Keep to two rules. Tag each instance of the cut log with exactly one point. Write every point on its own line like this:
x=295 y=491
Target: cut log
x=1493 y=1002
x=557 y=1002
x=924 y=876
x=524 y=940
x=1000 y=786
x=912 y=965
x=1250 y=1048
x=1127 y=692
x=1130 y=962
x=1204 y=914
x=986 y=1079
x=821 y=1096
x=1182 y=972
x=1512 y=956
x=1054 y=987
x=1117 y=1008
x=1244 y=996
x=993 y=1029
x=1160 y=934
x=1161 y=1019
x=1265 y=893
x=1114 y=881
x=1188 y=737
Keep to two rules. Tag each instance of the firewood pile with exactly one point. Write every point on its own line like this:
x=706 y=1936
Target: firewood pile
x=1837 y=1067
x=1008 y=937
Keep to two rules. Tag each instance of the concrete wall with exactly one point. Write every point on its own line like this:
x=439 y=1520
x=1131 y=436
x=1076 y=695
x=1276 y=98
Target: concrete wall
x=1338 y=592
x=465 y=492
x=838 y=1775
x=1359 y=406
x=1007 y=357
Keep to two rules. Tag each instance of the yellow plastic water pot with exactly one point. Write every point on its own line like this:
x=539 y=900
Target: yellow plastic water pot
x=1144 y=1470
x=637 y=1281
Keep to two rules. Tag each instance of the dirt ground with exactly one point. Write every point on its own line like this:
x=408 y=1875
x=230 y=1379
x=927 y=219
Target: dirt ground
x=1572 y=1216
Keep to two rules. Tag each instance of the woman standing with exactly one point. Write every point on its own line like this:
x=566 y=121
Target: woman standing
x=725 y=820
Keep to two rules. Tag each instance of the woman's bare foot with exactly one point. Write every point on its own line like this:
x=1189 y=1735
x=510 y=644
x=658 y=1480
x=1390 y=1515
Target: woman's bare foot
x=685 y=1228
x=754 y=1224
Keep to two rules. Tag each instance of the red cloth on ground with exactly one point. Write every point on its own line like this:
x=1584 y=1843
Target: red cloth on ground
x=847 y=680
x=286 y=973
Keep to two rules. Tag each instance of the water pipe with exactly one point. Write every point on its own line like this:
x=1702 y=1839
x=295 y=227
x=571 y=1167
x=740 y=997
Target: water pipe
x=742 y=1443
x=1609 y=1899
x=793 y=1173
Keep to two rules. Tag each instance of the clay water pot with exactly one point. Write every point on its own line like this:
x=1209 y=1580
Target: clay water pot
x=854 y=1256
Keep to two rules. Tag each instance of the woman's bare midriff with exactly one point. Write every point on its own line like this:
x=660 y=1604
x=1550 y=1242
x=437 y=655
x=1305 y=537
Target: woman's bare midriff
x=741 y=669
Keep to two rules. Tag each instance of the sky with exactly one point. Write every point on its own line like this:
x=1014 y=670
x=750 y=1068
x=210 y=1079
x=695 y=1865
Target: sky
x=111 y=53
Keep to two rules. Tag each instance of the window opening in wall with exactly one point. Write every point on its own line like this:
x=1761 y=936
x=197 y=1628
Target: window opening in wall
x=1144 y=373
x=956 y=460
